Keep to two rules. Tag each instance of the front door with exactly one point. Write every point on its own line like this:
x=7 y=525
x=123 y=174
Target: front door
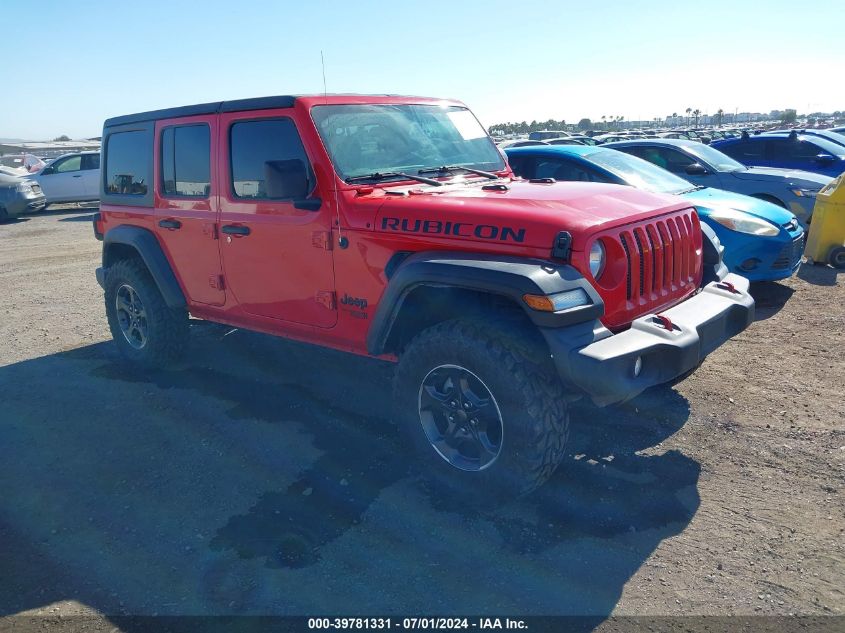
x=275 y=256
x=62 y=180
x=186 y=204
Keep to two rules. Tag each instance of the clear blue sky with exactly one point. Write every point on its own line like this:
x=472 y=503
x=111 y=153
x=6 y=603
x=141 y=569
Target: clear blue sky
x=508 y=60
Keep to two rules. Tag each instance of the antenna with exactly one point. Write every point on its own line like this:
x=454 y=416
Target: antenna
x=341 y=241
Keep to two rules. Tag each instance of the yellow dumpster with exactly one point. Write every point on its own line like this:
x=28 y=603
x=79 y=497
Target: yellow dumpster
x=826 y=240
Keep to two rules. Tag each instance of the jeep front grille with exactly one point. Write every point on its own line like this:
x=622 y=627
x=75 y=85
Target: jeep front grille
x=662 y=265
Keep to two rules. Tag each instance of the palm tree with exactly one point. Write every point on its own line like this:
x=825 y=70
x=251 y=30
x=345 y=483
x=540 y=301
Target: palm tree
x=688 y=110
x=720 y=113
x=696 y=113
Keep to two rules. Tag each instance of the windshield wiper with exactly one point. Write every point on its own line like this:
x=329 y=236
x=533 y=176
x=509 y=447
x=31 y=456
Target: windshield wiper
x=445 y=169
x=387 y=175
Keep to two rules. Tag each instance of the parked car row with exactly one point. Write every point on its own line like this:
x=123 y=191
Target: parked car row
x=72 y=177
x=821 y=151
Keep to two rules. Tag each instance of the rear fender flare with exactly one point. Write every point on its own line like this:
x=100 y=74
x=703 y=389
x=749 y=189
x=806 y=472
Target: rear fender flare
x=145 y=243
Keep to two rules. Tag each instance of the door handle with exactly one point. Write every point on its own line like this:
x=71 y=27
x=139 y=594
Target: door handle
x=170 y=224
x=237 y=230
x=78 y=176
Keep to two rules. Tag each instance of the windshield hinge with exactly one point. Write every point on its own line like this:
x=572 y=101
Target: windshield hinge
x=562 y=246
x=322 y=240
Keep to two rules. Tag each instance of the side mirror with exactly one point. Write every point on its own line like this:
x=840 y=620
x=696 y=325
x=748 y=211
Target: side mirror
x=696 y=169
x=825 y=159
x=48 y=170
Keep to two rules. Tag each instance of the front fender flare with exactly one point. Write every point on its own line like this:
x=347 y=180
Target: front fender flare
x=511 y=277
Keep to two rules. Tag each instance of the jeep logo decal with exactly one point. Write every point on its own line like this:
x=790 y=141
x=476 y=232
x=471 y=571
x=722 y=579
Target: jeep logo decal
x=354 y=301
x=457 y=229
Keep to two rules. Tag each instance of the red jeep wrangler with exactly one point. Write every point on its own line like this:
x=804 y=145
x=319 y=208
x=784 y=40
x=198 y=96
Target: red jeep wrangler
x=392 y=227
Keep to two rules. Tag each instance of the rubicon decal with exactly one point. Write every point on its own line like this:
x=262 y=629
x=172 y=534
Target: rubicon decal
x=456 y=229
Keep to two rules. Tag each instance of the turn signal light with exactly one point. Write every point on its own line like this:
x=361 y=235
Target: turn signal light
x=557 y=302
x=539 y=302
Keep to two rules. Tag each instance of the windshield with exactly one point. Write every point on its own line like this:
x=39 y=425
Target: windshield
x=639 y=173
x=387 y=138
x=716 y=159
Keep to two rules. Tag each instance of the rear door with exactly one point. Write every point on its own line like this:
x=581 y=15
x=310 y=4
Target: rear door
x=275 y=255
x=91 y=175
x=748 y=151
x=186 y=204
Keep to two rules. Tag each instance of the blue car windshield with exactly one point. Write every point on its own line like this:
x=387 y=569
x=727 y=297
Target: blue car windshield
x=716 y=159
x=386 y=138
x=639 y=173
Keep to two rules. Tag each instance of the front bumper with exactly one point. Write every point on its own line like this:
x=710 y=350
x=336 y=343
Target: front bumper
x=771 y=258
x=604 y=367
x=27 y=204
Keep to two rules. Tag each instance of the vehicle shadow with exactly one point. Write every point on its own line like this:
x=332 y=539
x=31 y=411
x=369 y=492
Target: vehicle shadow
x=17 y=220
x=819 y=274
x=78 y=218
x=769 y=298
x=66 y=209
x=266 y=477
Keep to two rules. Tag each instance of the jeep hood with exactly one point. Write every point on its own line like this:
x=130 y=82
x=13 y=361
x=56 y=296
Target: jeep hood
x=520 y=212
x=793 y=177
x=708 y=199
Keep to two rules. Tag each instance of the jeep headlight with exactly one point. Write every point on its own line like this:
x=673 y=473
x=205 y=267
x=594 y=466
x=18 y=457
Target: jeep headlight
x=24 y=187
x=597 y=259
x=743 y=222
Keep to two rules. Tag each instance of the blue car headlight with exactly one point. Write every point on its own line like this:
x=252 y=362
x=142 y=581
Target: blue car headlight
x=744 y=222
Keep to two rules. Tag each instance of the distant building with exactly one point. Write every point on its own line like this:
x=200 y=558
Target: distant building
x=48 y=149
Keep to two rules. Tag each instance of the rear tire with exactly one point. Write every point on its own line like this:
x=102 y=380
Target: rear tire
x=836 y=258
x=145 y=329
x=4 y=215
x=514 y=444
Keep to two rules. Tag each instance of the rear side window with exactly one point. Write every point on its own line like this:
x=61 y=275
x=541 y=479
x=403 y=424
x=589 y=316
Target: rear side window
x=266 y=160
x=743 y=150
x=786 y=149
x=90 y=161
x=127 y=163
x=186 y=161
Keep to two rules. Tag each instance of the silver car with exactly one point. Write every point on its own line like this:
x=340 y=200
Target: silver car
x=703 y=165
x=19 y=195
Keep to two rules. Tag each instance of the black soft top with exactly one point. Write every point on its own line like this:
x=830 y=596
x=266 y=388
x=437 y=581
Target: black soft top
x=238 y=105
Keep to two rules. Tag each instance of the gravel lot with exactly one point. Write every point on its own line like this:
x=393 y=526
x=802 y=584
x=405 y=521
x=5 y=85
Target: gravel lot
x=264 y=476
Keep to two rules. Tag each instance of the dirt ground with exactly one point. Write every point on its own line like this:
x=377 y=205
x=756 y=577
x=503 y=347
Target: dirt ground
x=264 y=477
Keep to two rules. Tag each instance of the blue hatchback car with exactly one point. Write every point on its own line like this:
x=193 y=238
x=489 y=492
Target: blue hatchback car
x=789 y=150
x=763 y=242
x=703 y=165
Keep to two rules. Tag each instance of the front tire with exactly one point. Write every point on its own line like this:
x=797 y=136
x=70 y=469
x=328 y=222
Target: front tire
x=145 y=329
x=482 y=409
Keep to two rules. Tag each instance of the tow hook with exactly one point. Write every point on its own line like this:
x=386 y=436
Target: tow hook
x=665 y=321
x=726 y=285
